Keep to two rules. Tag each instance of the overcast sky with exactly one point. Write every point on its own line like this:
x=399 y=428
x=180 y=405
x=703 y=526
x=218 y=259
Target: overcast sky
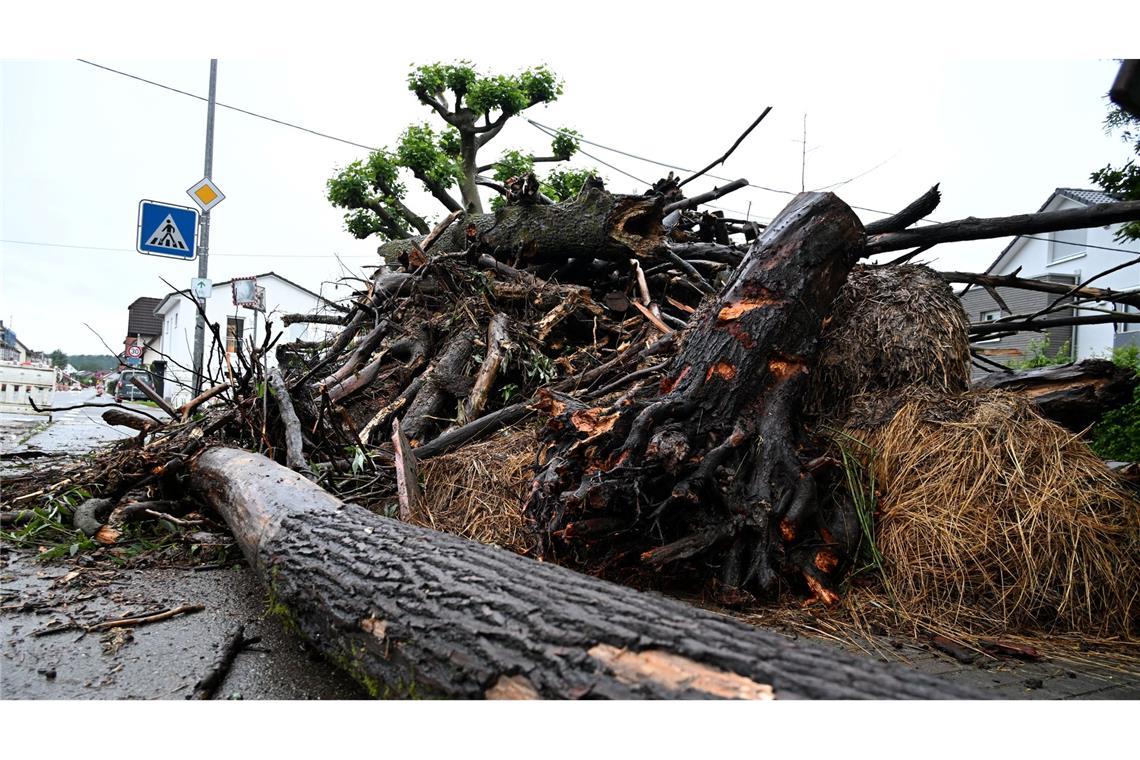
x=997 y=120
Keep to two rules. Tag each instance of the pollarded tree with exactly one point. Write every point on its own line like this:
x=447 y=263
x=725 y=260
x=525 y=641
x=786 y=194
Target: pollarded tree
x=475 y=109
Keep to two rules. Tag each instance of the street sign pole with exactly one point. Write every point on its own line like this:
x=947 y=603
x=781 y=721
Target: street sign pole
x=204 y=237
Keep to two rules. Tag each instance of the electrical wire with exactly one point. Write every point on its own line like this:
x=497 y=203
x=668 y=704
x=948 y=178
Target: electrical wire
x=548 y=130
x=282 y=122
x=223 y=255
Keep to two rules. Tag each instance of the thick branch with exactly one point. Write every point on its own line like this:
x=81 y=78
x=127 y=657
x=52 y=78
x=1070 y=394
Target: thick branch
x=438 y=107
x=921 y=207
x=711 y=195
x=489 y=370
x=1018 y=323
x=1003 y=226
x=1131 y=297
x=294 y=447
x=438 y=192
x=314 y=319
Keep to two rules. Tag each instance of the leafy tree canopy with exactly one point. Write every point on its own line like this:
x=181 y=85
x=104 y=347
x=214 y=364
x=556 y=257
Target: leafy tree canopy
x=474 y=107
x=1122 y=181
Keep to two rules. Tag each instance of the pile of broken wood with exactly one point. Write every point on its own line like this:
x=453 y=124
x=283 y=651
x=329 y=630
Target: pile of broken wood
x=664 y=355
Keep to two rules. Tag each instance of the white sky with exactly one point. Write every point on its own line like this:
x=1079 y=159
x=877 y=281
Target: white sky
x=967 y=98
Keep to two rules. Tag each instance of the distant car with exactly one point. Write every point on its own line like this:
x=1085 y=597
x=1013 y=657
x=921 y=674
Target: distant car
x=125 y=390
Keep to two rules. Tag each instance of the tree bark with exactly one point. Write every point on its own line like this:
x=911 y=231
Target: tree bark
x=596 y=225
x=1075 y=395
x=1022 y=224
x=495 y=350
x=1085 y=292
x=923 y=205
x=294 y=447
x=412 y=612
x=445 y=372
x=708 y=469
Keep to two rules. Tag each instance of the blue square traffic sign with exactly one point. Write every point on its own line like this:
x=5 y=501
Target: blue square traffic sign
x=166 y=230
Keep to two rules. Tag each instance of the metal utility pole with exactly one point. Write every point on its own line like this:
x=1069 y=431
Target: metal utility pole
x=204 y=236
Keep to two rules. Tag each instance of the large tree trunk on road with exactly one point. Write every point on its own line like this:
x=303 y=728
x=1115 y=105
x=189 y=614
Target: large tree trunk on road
x=411 y=611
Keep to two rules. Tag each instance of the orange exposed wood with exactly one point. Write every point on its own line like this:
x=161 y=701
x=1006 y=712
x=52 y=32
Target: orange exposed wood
x=677 y=673
x=723 y=370
x=512 y=687
x=818 y=591
x=826 y=560
x=740 y=308
x=781 y=369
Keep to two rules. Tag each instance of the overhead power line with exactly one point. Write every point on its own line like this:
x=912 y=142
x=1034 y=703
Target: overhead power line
x=282 y=122
x=551 y=131
x=226 y=255
x=546 y=129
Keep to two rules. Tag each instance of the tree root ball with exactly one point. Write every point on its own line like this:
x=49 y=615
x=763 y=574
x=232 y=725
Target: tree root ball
x=890 y=328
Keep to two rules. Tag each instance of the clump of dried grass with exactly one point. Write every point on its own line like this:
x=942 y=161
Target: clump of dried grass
x=890 y=328
x=993 y=518
x=478 y=492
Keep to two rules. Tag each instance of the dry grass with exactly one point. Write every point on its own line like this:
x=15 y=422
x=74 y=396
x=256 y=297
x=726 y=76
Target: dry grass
x=868 y=621
x=890 y=328
x=993 y=519
x=478 y=492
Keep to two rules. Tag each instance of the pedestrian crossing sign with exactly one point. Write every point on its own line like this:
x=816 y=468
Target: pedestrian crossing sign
x=167 y=230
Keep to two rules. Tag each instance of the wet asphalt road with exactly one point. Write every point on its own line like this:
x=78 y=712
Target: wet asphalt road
x=77 y=431
x=161 y=660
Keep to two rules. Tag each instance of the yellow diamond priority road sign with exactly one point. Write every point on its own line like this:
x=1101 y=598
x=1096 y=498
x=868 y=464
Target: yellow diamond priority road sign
x=206 y=194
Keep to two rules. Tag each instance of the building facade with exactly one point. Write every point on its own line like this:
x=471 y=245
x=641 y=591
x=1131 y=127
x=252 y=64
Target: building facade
x=1068 y=257
x=236 y=324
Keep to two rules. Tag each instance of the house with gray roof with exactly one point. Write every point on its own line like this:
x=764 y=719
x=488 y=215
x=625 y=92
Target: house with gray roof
x=1071 y=256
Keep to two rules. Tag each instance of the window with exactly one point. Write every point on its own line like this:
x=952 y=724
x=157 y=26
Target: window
x=992 y=315
x=233 y=333
x=1067 y=244
x=1127 y=327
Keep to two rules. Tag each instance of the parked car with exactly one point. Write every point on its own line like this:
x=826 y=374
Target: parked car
x=125 y=390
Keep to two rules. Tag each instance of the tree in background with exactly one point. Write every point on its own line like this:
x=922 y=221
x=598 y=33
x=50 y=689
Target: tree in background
x=474 y=108
x=1123 y=181
x=58 y=359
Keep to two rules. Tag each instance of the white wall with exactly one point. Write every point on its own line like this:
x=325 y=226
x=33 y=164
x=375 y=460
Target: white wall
x=179 y=315
x=1032 y=255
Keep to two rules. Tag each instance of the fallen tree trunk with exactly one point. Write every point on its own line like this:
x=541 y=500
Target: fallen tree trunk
x=708 y=470
x=1074 y=395
x=410 y=611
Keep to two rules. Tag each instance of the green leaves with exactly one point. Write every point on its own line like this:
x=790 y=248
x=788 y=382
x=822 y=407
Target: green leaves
x=508 y=94
x=565 y=144
x=371 y=190
x=1123 y=181
x=435 y=78
x=512 y=164
x=429 y=156
x=1117 y=434
x=564 y=184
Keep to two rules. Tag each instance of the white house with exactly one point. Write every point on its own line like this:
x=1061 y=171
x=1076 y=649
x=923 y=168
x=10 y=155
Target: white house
x=1067 y=257
x=236 y=324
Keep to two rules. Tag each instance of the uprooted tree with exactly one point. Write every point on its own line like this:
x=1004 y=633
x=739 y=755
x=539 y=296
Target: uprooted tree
x=668 y=364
